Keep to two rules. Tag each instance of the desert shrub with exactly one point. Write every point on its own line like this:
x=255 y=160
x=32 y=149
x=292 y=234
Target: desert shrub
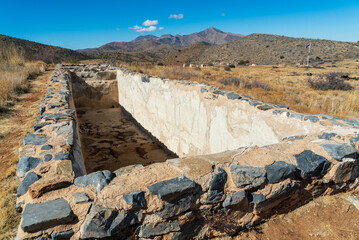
x=243 y=62
x=238 y=82
x=226 y=68
x=281 y=57
x=232 y=66
x=329 y=81
x=159 y=64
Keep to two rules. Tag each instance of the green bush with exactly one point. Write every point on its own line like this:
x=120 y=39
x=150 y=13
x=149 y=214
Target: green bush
x=232 y=66
x=243 y=62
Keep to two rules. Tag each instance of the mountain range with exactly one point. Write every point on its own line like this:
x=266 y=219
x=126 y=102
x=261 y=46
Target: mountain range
x=210 y=45
x=156 y=47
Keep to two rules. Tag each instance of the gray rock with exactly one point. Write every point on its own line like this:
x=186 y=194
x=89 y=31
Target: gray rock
x=327 y=136
x=47 y=147
x=214 y=196
x=232 y=96
x=40 y=125
x=340 y=151
x=25 y=184
x=175 y=207
x=41 y=216
x=280 y=171
x=311 y=164
x=62 y=235
x=313 y=119
x=297 y=116
x=98 y=179
x=347 y=170
x=102 y=222
x=280 y=111
x=203 y=90
x=81 y=197
x=265 y=107
x=151 y=229
x=136 y=199
x=35 y=139
x=245 y=176
x=172 y=188
x=234 y=199
x=195 y=229
x=63 y=156
x=218 y=180
x=47 y=157
x=256 y=199
x=67 y=132
x=26 y=164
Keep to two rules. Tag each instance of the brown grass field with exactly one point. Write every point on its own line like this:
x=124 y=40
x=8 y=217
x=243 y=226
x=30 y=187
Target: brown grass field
x=277 y=84
x=20 y=96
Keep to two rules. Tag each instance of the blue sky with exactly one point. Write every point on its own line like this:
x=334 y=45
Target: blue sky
x=85 y=24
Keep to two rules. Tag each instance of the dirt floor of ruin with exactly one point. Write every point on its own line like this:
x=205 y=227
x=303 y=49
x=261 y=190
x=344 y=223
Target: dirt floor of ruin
x=110 y=140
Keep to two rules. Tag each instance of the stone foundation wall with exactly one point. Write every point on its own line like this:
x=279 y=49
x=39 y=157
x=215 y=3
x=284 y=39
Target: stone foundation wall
x=193 y=197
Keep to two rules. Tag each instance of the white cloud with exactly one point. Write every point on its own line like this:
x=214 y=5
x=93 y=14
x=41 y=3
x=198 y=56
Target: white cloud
x=137 y=28
x=176 y=16
x=150 y=22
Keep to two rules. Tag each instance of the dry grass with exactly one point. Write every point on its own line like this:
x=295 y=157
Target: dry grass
x=14 y=71
x=275 y=84
x=14 y=74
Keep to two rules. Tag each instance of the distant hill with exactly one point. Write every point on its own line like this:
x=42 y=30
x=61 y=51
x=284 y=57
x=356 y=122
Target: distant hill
x=156 y=47
x=186 y=55
x=46 y=53
x=273 y=49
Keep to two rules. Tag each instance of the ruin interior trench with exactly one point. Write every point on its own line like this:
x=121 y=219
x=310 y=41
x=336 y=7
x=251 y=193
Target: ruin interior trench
x=110 y=137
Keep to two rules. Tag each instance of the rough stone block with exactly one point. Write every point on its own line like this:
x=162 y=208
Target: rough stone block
x=172 y=188
x=311 y=164
x=175 y=207
x=214 y=196
x=102 y=222
x=26 y=164
x=234 y=199
x=62 y=235
x=218 y=180
x=280 y=171
x=151 y=229
x=98 y=179
x=35 y=139
x=41 y=216
x=25 y=184
x=340 y=151
x=245 y=176
x=136 y=199
x=81 y=197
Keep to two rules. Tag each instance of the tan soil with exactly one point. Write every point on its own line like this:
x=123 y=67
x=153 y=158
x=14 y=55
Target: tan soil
x=110 y=141
x=325 y=218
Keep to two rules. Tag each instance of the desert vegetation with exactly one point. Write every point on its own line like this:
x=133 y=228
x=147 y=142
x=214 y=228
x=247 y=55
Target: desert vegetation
x=331 y=88
x=14 y=72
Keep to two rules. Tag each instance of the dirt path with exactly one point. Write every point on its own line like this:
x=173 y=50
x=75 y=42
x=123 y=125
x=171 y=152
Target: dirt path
x=13 y=127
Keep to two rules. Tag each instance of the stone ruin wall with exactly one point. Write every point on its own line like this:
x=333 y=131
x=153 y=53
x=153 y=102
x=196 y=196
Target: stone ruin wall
x=242 y=161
